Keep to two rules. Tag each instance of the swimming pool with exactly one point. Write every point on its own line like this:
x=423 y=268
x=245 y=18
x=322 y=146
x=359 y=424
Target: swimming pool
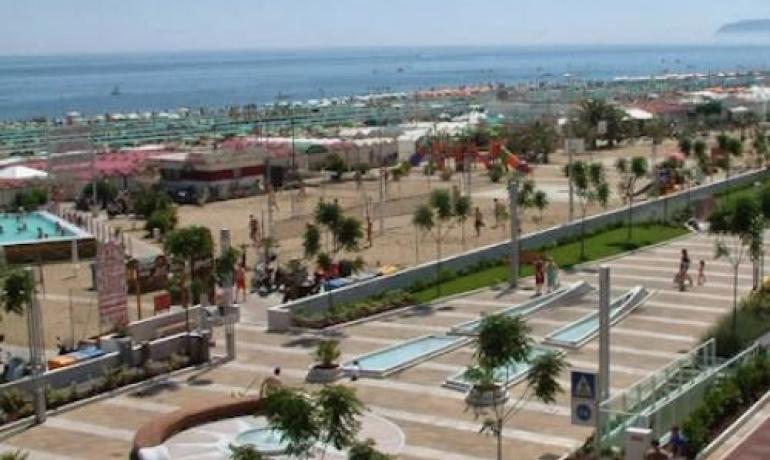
x=20 y=239
x=577 y=333
x=527 y=308
x=27 y=227
x=386 y=361
x=505 y=376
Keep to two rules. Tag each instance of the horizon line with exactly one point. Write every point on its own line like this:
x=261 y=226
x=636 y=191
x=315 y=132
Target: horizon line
x=693 y=44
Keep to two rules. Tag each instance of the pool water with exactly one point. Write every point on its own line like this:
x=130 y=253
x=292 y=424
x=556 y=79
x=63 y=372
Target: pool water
x=394 y=357
x=504 y=375
x=23 y=228
x=264 y=440
x=576 y=333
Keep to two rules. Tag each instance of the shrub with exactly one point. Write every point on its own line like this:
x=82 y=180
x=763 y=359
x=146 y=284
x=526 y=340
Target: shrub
x=245 y=452
x=146 y=202
x=163 y=219
x=366 y=451
x=345 y=312
x=31 y=199
x=15 y=404
x=16 y=455
x=496 y=172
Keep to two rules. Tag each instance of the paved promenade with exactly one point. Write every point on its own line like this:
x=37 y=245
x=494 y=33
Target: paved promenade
x=435 y=421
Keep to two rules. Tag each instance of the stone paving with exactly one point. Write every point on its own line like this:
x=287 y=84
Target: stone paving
x=435 y=421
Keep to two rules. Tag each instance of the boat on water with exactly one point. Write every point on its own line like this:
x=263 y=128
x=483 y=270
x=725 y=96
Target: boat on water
x=115 y=91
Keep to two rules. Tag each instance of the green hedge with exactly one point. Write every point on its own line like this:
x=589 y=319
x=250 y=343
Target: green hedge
x=566 y=253
x=725 y=400
x=752 y=321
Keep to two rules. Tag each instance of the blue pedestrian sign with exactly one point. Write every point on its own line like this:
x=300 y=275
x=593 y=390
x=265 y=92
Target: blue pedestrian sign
x=583 y=385
x=584 y=398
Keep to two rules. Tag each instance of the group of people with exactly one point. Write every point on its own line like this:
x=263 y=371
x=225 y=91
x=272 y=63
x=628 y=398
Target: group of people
x=498 y=210
x=683 y=278
x=675 y=448
x=546 y=273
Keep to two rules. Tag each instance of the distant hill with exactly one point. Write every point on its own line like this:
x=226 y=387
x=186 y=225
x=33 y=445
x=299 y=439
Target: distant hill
x=750 y=26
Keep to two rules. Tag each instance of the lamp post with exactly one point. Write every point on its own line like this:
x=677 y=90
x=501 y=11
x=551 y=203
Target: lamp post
x=513 y=198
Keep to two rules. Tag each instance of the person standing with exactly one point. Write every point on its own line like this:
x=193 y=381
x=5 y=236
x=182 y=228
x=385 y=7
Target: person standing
x=702 y=273
x=539 y=276
x=478 y=221
x=551 y=274
x=684 y=268
x=369 y=230
x=496 y=212
x=253 y=230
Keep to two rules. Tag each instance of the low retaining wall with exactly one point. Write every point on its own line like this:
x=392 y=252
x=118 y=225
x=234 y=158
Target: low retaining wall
x=48 y=251
x=85 y=371
x=154 y=433
x=278 y=318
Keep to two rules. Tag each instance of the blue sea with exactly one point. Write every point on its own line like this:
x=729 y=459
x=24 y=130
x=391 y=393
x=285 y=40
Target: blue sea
x=53 y=85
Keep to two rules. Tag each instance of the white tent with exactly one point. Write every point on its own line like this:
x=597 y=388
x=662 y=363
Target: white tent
x=22 y=173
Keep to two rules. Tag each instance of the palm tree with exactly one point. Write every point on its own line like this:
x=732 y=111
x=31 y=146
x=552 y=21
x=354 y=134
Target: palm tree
x=189 y=244
x=503 y=342
x=244 y=452
x=17 y=289
x=760 y=148
x=630 y=173
x=703 y=159
x=328 y=215
x=592 y=112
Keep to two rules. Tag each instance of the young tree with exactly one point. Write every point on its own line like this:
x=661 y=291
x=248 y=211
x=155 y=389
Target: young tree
x=189 y=244
x=702 y=157
x=461 y=207
x=17 y=289
x=311 y=240
x=630 y=173
x=434 y=218
x=503 y=342
x=738 y=227
x=540 y=200
x=686 y=145
x=328 y=214
x=591 y=188
x=760 y=148
x=329 y=417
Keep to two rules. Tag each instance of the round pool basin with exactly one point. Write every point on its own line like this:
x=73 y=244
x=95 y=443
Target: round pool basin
x=264 y=440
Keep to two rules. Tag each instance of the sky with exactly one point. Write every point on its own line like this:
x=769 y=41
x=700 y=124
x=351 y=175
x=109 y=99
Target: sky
x=29 y=27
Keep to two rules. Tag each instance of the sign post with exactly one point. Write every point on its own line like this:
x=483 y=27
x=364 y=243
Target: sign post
x=111 y=284
x=583 y=397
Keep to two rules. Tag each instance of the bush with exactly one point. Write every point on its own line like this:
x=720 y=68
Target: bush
x=163 y=219
x=31 y=199
x=15 y=405
x=146 y=202
x=752 y=321
x=366 y=451
x=345 y=312
x=496 y=172
x=16 y=455
x=336 y=164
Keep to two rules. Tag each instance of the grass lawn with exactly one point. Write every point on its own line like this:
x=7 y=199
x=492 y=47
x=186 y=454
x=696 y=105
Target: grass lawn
x=598 y=246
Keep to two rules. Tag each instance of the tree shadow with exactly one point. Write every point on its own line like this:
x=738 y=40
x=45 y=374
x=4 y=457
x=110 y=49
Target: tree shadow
x=155 y=389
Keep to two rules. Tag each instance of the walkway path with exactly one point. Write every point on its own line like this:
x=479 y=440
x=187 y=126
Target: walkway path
x=434 y=419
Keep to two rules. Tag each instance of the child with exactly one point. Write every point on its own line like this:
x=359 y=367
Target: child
x=701 y=272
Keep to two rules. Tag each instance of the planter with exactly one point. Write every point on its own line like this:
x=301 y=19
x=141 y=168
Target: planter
x=317 y=374
x=486 y=396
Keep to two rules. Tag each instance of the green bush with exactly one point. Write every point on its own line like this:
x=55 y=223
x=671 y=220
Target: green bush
x=146 y=202
x=752 y=321
x=163 y=219
x=15 y=404
x=496 y=172
x=345 y=312
x=31 y=199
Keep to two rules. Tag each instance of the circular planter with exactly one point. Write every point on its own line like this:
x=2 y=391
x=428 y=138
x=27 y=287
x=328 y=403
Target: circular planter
x=485 y=397
x=317 y=374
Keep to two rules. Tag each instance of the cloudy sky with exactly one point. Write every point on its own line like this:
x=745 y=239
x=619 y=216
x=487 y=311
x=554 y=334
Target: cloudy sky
x=88 y=26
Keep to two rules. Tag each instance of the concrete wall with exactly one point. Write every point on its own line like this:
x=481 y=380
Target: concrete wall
x=159 y=350
x=658 y=209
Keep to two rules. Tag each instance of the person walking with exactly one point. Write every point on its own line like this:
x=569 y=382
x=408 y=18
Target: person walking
x=684 y=268
x=539 y=276
x=478 y=221
x=496 y=212
x=240 y=282
x=655 y=452
x=551 y=274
